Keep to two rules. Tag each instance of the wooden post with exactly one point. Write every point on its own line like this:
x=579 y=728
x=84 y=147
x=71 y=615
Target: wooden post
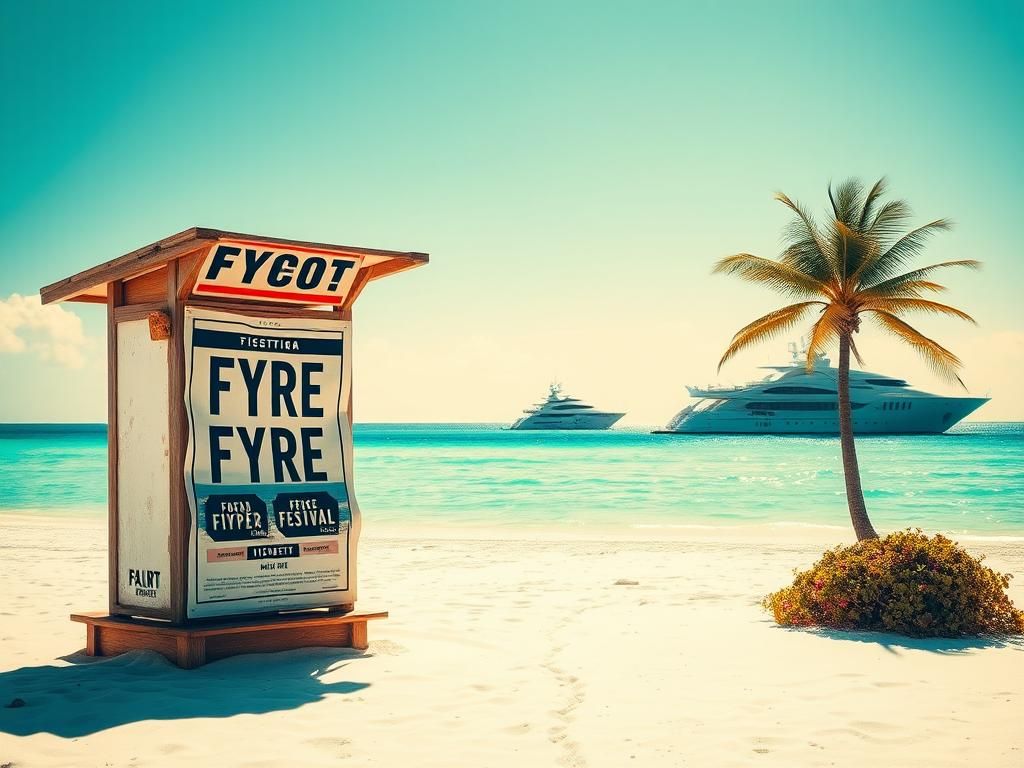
x=115 y=293
x=92 y=646
x=359 y=636
x=191 y=651
x=177 y=429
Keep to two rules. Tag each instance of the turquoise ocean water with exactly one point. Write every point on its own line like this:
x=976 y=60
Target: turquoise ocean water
x=969 y=481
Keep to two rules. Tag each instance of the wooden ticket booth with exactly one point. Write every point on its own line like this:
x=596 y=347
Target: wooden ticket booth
x=233 y=524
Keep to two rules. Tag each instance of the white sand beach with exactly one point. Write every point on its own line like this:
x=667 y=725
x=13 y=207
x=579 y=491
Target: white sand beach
x=505 y=652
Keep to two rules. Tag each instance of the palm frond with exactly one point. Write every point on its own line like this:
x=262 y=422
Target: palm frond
x=919 y=274
x=869 y=202
x=806 y=257
x=907 y=290
x=940 y=359
x=767 y=326
x=807 y=251
x=776 y=275
x=897 y=306
x=846 y=202
x=890 y=220
x=825 y=331
x=854 y=249
x=888 y=262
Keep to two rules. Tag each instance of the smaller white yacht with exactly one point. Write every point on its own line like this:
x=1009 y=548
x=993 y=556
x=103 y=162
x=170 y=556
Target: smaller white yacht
x=562 y=412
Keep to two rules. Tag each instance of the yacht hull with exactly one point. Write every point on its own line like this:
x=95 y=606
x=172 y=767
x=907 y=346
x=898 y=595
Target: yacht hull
x=928 y=415
x=582 y=421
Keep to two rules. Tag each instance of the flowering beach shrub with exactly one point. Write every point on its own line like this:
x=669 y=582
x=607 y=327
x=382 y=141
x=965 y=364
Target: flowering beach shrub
x=907 y=582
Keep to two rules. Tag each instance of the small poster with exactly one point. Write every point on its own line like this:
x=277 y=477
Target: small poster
x=268 y=465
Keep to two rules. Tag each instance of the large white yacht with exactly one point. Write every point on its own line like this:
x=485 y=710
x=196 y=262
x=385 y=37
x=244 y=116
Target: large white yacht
x=792 y=401
x=563 y=412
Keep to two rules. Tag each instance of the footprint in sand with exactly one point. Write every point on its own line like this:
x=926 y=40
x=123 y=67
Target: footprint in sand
x=337 y=747
x=386 y=648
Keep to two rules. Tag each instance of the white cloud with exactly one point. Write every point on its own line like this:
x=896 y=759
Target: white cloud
x=50 y=332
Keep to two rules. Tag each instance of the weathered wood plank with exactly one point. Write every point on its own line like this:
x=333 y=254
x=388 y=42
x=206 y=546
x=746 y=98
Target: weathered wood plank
x=138 y=311
x=194 y=645
x=263 y=310
x=147 y=287
x=123 y=266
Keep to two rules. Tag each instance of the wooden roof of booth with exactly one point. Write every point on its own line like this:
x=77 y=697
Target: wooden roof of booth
x=91 y=284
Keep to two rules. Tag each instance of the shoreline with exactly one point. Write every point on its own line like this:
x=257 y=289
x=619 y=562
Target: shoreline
x=781 y=532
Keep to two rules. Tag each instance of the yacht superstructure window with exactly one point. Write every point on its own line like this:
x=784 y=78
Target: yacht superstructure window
x=904 y=405
x=798 y=405
x=887 y=382
x=798 y=391
x=574 y=407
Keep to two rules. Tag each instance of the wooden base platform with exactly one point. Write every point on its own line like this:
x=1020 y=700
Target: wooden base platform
x=194 y=645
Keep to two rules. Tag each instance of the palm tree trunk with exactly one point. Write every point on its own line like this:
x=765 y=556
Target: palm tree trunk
x=851 y=471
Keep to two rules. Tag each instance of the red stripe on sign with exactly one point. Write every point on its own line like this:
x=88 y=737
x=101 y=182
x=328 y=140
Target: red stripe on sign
x=234 y=290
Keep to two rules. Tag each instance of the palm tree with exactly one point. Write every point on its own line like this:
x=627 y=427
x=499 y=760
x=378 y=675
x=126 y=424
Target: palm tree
x=850 y=266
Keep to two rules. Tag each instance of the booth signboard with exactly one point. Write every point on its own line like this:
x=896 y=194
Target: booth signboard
x=246 y=269
x=267 y=469
x=230 y=440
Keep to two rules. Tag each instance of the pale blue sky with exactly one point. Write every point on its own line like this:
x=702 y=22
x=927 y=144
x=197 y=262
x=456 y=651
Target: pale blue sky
x=574 y=169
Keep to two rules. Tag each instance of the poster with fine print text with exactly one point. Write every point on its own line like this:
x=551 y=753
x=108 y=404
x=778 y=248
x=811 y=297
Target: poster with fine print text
x=268 y=469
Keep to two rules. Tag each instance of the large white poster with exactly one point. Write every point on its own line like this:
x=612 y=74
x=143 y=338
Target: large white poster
x=268 y=465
